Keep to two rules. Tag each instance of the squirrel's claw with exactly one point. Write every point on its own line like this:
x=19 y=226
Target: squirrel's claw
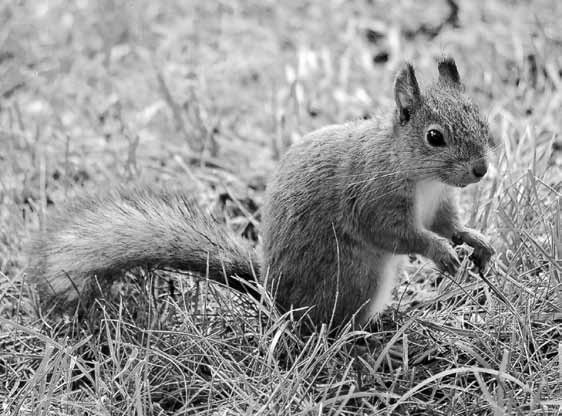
x=457 y=240
x=449 y=262
x=481 y=257
x=483 y=251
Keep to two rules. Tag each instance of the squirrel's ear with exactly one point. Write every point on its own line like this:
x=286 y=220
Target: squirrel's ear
x=406 y=92
x=448 y=72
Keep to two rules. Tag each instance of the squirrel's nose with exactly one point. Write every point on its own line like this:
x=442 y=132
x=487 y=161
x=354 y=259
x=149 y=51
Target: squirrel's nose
x=479 y=169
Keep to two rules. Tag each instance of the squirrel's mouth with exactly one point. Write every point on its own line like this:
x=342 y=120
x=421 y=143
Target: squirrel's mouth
x=459 y=184
x=455 y=183
x=459 y=180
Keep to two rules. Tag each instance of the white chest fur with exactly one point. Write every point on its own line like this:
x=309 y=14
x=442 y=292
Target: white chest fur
x=428 y=196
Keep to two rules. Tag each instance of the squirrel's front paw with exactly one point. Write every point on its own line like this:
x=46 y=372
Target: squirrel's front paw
x=483 y=251
x=446 y=258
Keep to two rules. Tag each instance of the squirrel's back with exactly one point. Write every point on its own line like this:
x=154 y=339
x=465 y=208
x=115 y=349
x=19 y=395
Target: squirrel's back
x=104 y=234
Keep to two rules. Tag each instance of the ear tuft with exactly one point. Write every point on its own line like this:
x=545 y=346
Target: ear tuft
x=448 y=72
x=406 y=92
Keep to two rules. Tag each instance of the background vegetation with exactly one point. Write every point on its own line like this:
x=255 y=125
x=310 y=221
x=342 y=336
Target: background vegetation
x=206 y=95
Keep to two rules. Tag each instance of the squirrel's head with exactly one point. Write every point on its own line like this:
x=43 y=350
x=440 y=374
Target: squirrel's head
x=441 y=128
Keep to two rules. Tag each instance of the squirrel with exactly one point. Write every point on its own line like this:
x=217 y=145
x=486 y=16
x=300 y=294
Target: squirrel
x=344 y=207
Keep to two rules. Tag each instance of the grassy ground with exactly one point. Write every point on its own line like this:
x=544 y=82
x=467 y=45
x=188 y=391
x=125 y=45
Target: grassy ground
x=206 y=96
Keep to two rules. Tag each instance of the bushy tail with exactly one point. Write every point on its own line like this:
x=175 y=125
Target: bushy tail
x=104 y=235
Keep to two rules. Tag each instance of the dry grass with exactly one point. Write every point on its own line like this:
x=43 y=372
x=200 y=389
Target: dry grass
x=206 y=95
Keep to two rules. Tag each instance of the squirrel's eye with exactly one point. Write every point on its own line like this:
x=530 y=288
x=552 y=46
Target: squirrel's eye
x=435 y=138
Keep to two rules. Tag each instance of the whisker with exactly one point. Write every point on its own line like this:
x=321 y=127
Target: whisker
x=430 y=171
x=393 y=188
x=389 y=171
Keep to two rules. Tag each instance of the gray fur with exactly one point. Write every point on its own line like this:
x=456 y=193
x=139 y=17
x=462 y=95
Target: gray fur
x=406 y=92
x=342 y=200
x=105 y=234
x=341 y=203
x=448 y=72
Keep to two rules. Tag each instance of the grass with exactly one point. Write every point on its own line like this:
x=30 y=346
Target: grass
x=206 y=96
